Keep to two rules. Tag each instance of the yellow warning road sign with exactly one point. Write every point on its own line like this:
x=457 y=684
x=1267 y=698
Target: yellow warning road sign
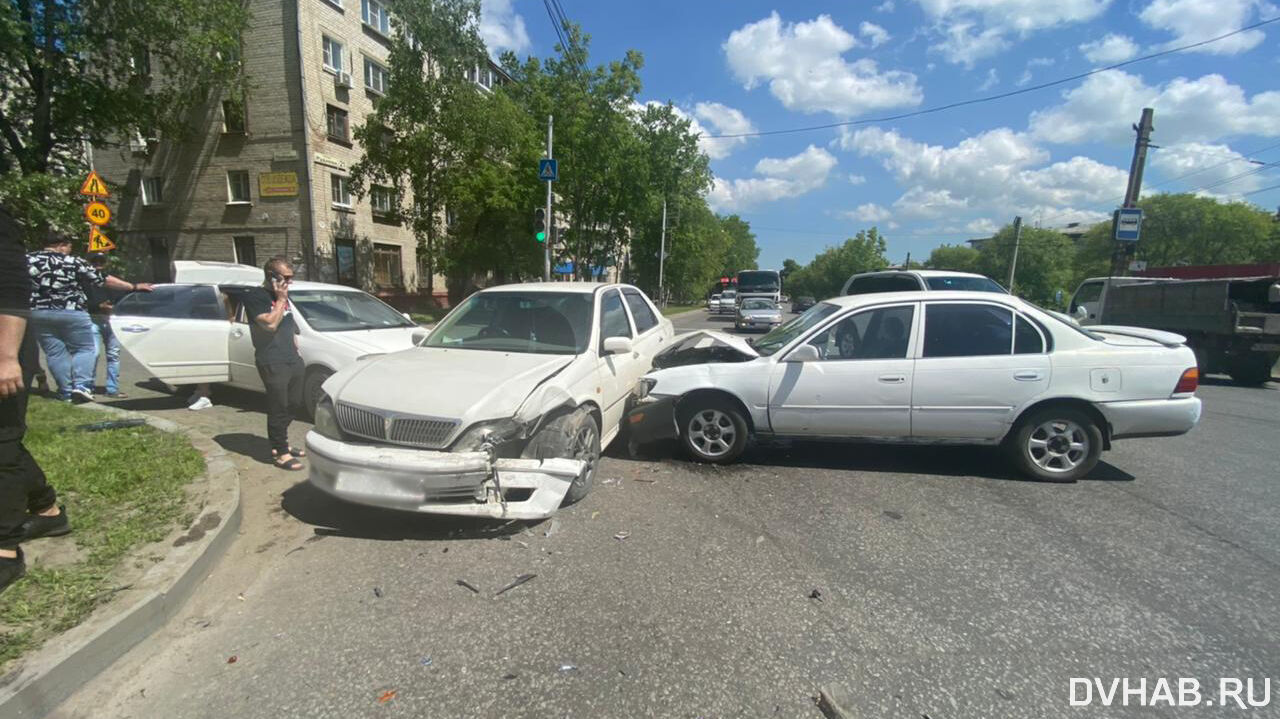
x=99 y=242
x=97 y=212
x=94 y=186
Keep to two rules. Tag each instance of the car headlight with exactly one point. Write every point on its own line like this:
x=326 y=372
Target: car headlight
x=645 y=386
x=326 y=423
x=493 y=433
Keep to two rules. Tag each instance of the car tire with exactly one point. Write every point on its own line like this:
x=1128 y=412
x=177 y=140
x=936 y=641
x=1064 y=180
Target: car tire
x=311 y=389
x=570 y=435
x=713 y=430
x=1055 y=444
x=1251 y=370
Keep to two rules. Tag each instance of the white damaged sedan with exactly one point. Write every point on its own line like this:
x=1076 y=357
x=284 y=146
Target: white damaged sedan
x=502 y=411
x=925 y=368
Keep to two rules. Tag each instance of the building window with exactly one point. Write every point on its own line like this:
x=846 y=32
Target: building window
x=238 y=191
x=386 y=265
x=332 y=54
x=375 y=77
x=246 y=253
x=374 y=14
x=152 y=191
x=233 y=116
x=340 y=190
x=336 y=120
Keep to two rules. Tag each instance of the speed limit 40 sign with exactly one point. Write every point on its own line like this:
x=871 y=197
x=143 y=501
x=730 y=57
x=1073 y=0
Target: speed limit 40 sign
x=98 y=213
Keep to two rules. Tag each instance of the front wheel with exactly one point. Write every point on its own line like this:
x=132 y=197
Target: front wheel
x=572 y=435
x=713 y=431
x=1056 y=445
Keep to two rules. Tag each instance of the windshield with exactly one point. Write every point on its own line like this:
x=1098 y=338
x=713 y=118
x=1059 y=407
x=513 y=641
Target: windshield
x=526 y=322
x=780 y=337
x=967 y=284
x=758 y=304
x=758 y=281
x=338 y=311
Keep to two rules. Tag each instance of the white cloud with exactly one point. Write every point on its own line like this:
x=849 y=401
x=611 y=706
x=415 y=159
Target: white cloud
x=874 y=34
x=502 y=28
x=804 y=67
x=1109 y=50
x=886 y=6
x=857 y=180
x=869 y=212
x=1195 y=20
x=778 y=178
x=983 y=226
x=1024 y=78
x=1040 y=62
x=1204 y=164
x=722 y=120
x=993 y=79
x=1105 y=106
x=974 y=29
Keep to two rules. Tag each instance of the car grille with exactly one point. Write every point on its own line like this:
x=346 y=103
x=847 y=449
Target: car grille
x=425 y=432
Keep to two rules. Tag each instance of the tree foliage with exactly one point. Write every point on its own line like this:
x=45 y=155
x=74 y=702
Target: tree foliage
x=1042 y=267
x=957 y=258
x=827 y=273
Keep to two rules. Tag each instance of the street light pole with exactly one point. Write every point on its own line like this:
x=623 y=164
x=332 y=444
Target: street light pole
x=1017 y=240
x=662 y=252
x=546 y=245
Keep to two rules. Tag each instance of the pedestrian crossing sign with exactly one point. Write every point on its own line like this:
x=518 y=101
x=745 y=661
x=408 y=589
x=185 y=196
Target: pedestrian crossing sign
x=94 y=186
x=99 y=242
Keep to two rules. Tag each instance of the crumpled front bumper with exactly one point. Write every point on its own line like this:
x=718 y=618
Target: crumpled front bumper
x=653 y=419
x=459 y=483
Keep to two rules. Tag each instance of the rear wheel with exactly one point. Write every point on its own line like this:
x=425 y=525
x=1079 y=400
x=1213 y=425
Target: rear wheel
x=713 y=430
x=1056 y=444
x=572 y=435
x=1251 y=369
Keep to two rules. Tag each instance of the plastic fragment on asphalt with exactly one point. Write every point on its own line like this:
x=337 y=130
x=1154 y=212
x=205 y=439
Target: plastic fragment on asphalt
x=612 y=481
x=816 y=594
x=387 y=696
x=377 y=592
x=620 y=536
x=522 y=544
x=568 y=667
x=517 y=582
x=892 y=514
x=426 y=661
x=465 y=583
x=240 y=597
x=232 y=659
x=509 y=676
x=760 y=539
x=647 y=481
x=832 y=703
x=551 y=528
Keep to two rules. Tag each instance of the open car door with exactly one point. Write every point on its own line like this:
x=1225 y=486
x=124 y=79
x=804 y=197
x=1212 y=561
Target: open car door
x=178 y=333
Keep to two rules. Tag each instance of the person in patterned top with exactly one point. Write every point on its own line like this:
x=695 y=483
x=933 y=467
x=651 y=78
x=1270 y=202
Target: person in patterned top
x=60 y=317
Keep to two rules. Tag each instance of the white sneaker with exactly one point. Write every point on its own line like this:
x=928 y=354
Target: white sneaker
x=200 y=403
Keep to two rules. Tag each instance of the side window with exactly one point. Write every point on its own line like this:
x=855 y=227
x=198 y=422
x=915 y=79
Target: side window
x=876 y=334
x=958 y=330
x=640 y=311
x=1088 y=292
x=188 y=302
x=613 y=318
x=1026 y=338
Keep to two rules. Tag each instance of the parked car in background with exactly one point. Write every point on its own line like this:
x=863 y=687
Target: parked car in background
x=758 y=313
x=502 y=411
x=802 y=303
x=728 y=302
x=194 y=330
x=925 y=368
x=713 y=304
x=912 y=280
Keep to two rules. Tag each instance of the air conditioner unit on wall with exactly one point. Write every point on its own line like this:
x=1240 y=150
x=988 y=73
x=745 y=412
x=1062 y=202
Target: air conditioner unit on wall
x=343 y=80
x=138 y=144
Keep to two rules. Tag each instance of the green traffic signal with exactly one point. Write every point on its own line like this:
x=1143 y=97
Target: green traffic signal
x=542 y=236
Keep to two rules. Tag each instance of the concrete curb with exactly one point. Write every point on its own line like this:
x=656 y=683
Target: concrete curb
x=43 y=680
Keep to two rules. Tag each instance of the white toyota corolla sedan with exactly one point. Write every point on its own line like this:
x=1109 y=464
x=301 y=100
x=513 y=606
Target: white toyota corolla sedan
x=925 y=368
x=502 y=411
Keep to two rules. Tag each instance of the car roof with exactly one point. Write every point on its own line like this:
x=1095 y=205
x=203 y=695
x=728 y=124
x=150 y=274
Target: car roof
x=922 y=273
x=879 y=298
x=578 y=287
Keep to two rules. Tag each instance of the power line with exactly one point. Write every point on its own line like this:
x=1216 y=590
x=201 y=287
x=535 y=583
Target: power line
x=1264 y=189
x=555 y=24
x=1202 y=153
x=1000 y=96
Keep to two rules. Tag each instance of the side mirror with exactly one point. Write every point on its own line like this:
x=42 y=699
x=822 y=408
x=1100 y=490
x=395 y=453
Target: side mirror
x=617 y=345
x=407 y=316
x=1081 y=312
x=804 y=353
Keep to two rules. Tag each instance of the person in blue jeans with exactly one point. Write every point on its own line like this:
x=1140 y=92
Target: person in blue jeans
x=60 y=317
x=101 y=302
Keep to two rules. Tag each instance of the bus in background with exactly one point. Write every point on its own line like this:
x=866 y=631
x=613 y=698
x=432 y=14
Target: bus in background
x=759 y=283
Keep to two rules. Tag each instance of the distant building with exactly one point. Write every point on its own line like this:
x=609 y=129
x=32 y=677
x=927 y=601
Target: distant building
x=1073 y=230
x=269 y=174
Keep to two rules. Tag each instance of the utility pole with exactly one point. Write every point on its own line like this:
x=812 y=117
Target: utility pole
x=1120 y=253
x=1017 y=240
x=662 y=253
x=551 y=222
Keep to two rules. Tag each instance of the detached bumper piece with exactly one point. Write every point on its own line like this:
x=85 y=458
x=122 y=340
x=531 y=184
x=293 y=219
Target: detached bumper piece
x=653 y=419
x=458 y=483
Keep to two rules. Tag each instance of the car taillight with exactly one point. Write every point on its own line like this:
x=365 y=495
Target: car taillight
x=1188 y=382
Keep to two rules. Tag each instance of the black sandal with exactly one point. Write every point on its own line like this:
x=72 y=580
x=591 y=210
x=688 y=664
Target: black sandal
x=292 y=450
x=291 y=464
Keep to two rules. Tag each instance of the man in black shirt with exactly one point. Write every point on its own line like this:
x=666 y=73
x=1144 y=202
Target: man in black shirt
x=275 y=348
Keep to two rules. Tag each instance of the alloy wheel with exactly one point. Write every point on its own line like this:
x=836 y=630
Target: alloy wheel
x=1058 y=445
x=712 y=433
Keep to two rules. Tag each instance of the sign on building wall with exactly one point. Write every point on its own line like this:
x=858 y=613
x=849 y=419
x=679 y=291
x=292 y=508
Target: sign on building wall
x=278 y=184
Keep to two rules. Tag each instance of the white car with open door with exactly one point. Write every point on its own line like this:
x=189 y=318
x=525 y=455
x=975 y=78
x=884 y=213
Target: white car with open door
x=195 y=331
x=925 y=367
x=502 y=411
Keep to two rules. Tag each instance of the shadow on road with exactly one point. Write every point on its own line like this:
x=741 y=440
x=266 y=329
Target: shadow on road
x=335 y=518
x=957 y=461
x=253 y=446
x=1225 y=381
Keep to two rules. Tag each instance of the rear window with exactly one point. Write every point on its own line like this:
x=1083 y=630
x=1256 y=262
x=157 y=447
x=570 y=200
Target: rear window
x=964 y=330
x=883 y=283
x=185 y=302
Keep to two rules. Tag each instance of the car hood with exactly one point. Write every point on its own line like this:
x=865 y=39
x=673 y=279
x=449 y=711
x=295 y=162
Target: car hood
x=392 y=339
x=704 y=346
x=470 y=385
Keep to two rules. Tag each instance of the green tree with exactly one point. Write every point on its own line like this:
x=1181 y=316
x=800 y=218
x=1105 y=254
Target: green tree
x=416 y=140
x=831 y=268
x=1188 y=229
x=957 y=258
x=741 y=253
x=1044 y=263
x=77 y=71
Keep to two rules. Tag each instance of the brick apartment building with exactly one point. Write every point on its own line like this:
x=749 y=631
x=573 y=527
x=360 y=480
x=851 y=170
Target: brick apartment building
x=269 y=175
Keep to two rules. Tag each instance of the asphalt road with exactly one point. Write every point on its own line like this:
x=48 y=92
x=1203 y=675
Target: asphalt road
x=946 y=587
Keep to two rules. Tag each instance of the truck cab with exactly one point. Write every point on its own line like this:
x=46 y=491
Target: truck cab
x=1091 y=296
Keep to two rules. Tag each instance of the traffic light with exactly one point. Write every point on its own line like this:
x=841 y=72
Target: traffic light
x=540 y=224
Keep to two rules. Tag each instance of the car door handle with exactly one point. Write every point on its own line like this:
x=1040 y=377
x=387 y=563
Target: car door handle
x=237 y=333
x=893 y=378
x=135 y=328
x=1027 y=376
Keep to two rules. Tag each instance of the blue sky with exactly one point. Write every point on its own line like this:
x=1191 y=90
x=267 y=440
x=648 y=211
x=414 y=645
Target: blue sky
x=1054 y=156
